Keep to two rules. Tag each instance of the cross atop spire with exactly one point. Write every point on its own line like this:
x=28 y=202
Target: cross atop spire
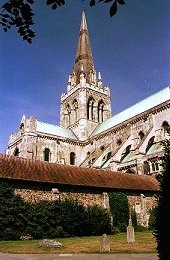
x=83 y=54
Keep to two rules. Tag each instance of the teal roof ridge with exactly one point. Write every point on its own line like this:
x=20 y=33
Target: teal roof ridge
x=55 y=130
x=138 y=108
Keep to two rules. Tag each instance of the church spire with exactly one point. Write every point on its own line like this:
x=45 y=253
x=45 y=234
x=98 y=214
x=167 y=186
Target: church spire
x=84 y=54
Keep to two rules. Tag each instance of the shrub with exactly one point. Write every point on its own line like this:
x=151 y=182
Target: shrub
x=43 y=219
x=73 y=217
x=13 y=214
x=99 y=221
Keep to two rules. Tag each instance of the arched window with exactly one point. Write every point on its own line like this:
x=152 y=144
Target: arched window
x=68 y=108
x=141 y=135
x=16 y=152
x=22 y=128
x=153 y=167
x=75 y=106
x=72 y=158
x=47 y=154
x=90 y=109
x=100 y=111
x=156 y=166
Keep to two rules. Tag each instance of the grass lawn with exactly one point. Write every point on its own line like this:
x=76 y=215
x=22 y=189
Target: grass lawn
x=144 y=243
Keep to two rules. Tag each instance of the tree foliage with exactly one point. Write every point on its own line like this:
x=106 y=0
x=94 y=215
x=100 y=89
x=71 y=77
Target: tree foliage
x=119 y=208
x=19 y=14
x=163 y=214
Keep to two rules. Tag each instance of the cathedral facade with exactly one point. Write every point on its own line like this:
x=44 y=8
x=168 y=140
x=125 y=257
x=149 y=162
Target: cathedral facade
x=88 y=135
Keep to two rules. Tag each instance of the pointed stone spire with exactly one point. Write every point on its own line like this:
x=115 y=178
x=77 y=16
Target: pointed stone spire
x=84 y=54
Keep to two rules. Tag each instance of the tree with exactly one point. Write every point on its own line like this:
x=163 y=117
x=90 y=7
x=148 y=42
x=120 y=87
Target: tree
x=19 y=14
x=119 y=208
x=162 y=224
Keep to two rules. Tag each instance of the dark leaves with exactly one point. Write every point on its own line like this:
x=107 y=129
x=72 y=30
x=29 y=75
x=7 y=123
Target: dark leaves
x=30 y=2
x=121 y=2
x=113 y=8
x=18 y=13
x=55 y=3
x=92 y=2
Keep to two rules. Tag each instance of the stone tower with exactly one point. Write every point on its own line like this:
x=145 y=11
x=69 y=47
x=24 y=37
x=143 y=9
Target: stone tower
x=87 y=102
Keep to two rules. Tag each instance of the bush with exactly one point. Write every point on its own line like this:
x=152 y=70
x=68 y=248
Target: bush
x=14 y=215
x=73 y=217
x=99 y=221
x=43 y=220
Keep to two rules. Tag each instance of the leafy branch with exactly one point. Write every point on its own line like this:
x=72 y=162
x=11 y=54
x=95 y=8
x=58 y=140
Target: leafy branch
x=19 y=14
x=113 y=8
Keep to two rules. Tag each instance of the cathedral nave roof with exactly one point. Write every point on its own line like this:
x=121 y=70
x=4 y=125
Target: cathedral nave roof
x=135 y=110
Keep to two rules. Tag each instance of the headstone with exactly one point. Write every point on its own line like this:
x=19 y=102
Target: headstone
x=104 y=243
x=130 y=233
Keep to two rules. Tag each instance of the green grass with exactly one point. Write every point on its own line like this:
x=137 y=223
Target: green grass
x=144 y=243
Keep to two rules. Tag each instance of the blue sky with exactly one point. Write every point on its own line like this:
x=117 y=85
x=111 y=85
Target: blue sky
x=131 y=50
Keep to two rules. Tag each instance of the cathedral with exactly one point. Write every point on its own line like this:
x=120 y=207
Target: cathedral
x=88 y=135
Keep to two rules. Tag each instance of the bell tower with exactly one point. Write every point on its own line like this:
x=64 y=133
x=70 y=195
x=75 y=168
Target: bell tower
x=87 y=102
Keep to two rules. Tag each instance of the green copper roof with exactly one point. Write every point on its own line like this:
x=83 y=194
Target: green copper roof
x=138 y=108
x=55 y=130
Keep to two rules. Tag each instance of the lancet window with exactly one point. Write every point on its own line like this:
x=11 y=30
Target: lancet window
x=100 y=111
x=75 y=107
x=47 y=154
x=16 y=152
x=72 y=158
x=90 y=109
x=68 y=113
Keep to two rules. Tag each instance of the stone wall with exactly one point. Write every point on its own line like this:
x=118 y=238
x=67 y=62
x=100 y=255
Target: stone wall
x=140 y=203
x=87 y=199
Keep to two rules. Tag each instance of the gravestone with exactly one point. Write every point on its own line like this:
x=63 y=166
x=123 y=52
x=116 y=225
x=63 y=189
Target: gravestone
x=104 y=243
x=130 y=233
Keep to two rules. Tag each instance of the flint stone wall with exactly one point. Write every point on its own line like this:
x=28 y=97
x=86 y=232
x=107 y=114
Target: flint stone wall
x=141 y=204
